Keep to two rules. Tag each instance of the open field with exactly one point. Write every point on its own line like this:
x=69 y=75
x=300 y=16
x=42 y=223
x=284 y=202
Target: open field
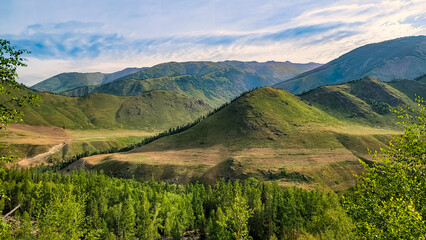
x=309 y=168
x=41 y=144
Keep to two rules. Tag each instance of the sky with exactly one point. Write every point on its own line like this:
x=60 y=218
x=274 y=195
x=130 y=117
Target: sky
x=110 y=35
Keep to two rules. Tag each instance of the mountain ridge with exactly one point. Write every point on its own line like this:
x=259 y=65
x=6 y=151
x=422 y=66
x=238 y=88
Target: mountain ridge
x=213 y=82
x=393 y=59
x=71 y=80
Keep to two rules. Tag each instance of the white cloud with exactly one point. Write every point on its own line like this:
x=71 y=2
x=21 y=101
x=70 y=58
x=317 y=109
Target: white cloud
x=311 y=31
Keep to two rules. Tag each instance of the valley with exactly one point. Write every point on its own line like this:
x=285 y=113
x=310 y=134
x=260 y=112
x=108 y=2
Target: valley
x=240 y=127
x=35 y=145
x=261 y=134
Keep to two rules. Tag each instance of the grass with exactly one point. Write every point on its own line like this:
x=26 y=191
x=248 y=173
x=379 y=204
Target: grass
x=411 y=88
x=264 y=130
x=152 y=111
x=353 y=102
x=25 y=141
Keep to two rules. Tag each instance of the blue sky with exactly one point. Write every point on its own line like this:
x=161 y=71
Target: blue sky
x=106 y=36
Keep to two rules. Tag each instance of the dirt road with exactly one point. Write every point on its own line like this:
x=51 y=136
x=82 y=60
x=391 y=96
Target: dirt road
x=40 y=158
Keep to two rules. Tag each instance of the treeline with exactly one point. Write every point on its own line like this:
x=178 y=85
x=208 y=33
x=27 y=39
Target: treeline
x=90 y=205
x=170 y=131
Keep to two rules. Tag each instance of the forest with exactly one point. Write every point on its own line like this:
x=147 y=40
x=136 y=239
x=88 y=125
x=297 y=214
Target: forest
x=91 y=205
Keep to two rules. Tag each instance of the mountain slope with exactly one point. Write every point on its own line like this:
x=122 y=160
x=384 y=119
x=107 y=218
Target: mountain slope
x=215 y=83
x=266 y=133
x=253 y=118
x=399 y=58
x=215 y=89
x=411 y=88
x=67 y=81
x=154 y=111
x=366 y=101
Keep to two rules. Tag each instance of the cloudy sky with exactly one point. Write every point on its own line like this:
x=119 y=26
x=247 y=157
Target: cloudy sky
x=109 y=35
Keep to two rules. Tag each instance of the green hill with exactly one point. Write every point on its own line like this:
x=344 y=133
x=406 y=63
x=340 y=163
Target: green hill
x=152 y=111
x=215 y=83
x=160 y=109
x=253 y=120
x=367 y=101
x=266 y=133
x=402 y=58
x=411 y=88
x=67 y=81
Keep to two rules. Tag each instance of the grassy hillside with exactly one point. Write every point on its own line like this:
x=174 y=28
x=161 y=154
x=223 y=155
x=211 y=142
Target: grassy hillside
x=411 y=88
x=151 y=111
x=266 y=133
x=159 y=108
x=215 y=83
x=367 y=101
x=35 y=145
x=394 y=59
x=253 y=120
x=67 y=81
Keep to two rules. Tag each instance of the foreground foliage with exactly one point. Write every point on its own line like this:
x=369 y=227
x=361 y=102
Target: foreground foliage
x=89 y=205
x=12 y=101
x=389 y=202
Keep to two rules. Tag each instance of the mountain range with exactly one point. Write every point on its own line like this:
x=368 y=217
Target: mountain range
x=402 y=58
x=213 y=82
x=67 y=81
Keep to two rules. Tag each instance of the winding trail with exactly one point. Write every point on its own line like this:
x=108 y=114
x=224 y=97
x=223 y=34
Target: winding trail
x=40 y=158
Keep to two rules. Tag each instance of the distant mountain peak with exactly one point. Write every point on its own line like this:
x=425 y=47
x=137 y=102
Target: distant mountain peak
x=393 y=59
x=72 y=80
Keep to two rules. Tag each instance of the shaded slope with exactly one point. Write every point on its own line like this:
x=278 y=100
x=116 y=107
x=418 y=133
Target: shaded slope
x=366 y=100
x=421 y=79
x=67 y=81
x=411 y=88
x=399 y=58
x=215 y=89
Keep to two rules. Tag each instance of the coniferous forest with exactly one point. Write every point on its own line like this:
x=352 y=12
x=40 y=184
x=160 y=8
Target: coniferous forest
x=91 y=205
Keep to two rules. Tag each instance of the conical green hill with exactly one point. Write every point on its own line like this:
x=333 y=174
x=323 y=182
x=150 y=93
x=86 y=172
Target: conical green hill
x=265 y=117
